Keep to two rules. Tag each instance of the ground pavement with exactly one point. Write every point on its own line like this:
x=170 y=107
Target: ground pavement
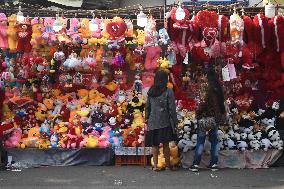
x=104 y=177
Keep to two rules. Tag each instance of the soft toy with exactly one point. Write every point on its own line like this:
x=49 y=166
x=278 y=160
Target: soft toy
x=3 y=31
x=37 y=28
x=97 y=33
x=73 y=31
x=45 y=129
x=255 y=144
x=24 y=36
x=13 y=141
x=116 y=29
x=32 y=140
x=138 y=120
x=84 y=30
x=242 y=145
x=83 y=95
x=265 y=144
x=140 y=37
x=49 y=35
x=137 y=103
x=11 y=31
x=54 y=141
x=91 y=141
x=44 y=143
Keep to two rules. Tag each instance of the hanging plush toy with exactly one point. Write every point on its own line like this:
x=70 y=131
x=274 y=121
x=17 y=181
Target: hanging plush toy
x=3 y=31
x=209 y=47
x=181 y=31
x=152 y=48
x=73 y=31
x=37 y=28
x=12 y=32
x=98 y=32
x=24 y=36
x=49 y=35
x=279 y=37
x=116 y=28
x=84 y=30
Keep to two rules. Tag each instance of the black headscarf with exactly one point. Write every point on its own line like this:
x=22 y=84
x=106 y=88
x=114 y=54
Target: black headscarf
x=160 y=84
x=215 y=86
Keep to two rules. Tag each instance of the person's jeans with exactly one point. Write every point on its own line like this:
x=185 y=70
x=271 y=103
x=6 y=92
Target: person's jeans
x=213 y=138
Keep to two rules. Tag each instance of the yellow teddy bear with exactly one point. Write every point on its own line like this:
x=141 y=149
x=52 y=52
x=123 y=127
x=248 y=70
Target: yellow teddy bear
x=83 y=95
x=37 y=28
x=12 y=32
x=96 y=97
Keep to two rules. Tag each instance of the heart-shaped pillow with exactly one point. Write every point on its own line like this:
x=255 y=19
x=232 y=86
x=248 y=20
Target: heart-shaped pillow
x=117 y=27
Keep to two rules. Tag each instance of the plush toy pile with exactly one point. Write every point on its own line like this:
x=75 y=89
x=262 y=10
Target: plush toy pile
x=252 y=130
x=86 y=85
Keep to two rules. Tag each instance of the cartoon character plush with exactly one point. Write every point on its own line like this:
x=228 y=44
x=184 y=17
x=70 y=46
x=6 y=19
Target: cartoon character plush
x=37 y=28
x=3 y=31
x=24 y=36
x=49 y=35
x=12 y=32
x=140 y=37
x=54 y=141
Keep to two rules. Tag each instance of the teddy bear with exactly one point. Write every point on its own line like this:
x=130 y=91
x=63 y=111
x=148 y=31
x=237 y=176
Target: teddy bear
x=11 y=31
x=96 y=97
x=32 y=140
x=48 y=34
x=83 y=95
x=3 y=31
x=24 y=34
x=84 y=30
x=97 y=33
x=14 y=139
x=37 y=29
x=138 y=120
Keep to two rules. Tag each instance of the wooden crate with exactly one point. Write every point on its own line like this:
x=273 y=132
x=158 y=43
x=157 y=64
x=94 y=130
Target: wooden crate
x=131 y=160
x=132 y=156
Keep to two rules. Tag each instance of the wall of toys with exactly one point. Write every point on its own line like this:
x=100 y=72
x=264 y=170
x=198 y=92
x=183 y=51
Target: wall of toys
x=82 y=83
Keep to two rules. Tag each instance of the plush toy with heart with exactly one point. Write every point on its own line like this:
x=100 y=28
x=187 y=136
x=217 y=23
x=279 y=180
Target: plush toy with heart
x=116 y=28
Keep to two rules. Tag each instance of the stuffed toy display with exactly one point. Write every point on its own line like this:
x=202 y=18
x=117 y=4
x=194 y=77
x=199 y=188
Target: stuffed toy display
x=86 y=86
x=3 y=31
x=24 y=34
x=11 y=31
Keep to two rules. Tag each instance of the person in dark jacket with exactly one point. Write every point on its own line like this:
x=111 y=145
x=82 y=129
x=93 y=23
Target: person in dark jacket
x=161 y=117
x=211 y=105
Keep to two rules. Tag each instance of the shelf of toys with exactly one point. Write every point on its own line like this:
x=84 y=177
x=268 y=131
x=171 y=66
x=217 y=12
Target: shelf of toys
x=78 y=88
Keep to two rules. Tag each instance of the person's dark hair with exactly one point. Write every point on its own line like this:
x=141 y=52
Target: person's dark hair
x=160 y=83
x=215 y=85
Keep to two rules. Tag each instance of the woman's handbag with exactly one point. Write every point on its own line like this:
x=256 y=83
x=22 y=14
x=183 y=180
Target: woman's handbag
x=206 y=123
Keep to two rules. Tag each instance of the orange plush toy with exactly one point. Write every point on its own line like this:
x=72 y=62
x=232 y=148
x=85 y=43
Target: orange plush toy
x=85 y=32
x=37 y=28
x=12 y=35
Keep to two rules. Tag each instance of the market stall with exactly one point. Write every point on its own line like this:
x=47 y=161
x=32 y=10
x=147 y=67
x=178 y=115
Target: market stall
x=78 y=81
